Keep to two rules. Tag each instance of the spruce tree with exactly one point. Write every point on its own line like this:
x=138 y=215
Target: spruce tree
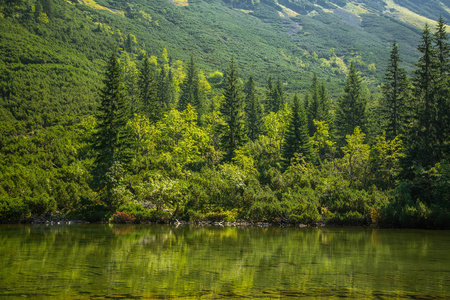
x=350 y=111
x=324 y=106
x=395 y=88
x=442 y=84
x=313 y=109
x=112 y=140
x=163 y=94
x=233 y=133
x=253 y=110
x=149 y=89
x=190 y=87
x=422 y=138
x=296 y=139
x=269 y=94
x=278 y=100
x=424 y=82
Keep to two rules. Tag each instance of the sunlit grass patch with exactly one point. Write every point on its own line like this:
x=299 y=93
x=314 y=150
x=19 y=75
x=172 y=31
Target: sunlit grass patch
x=181 y=2
x=93 y=4
x=408 y=16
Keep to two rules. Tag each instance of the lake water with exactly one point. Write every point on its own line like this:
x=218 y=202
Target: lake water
x=166 y=262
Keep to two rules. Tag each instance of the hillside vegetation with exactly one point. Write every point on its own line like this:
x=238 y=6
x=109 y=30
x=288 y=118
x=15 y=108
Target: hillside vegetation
x=293 y=111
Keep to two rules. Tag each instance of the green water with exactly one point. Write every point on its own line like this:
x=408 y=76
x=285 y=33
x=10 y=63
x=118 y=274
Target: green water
x=165 y=262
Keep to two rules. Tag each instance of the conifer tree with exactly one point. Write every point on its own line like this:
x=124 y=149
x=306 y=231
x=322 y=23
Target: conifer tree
x=190 y=88
x=269 y=94
x=163 y=92
x=422 y=138
x=424 y=83
x=131 y=81
x=442 y=121
x=253 y=110
x=149 y=90
x=171 y=92
x=395 y=88
x=313 y=109
x=350 y=111
x=112 y=140
x=325 y=105
x=297 y=139
x=233 y=133
x=275 y=96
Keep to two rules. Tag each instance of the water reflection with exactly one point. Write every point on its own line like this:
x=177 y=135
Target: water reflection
x=147 y=262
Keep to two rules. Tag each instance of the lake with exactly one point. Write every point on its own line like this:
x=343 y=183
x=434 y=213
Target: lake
x=188 y=262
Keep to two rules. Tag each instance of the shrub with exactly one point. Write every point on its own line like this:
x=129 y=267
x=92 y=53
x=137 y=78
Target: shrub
x=13 y=210
x=122 y=218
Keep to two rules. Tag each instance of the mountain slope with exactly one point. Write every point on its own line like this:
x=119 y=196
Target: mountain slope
x=52 y=49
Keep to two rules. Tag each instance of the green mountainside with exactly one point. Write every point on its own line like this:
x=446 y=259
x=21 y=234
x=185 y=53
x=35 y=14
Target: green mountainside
x=287 y=39
x=96 y=115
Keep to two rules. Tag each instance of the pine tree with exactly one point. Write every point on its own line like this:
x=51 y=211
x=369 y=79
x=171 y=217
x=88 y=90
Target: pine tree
x=233 y=133
x=190 y=88
x=313 y=110
x=324 y=106
x=112 y=140
x=395 y=88
x=422 y=138
x=163 y=94
x=269 y=94
x=424 y=82
x=350 y=111
x=297 y=139
x=131 y=81
x=149 y=89
x=253 y=110
x=442 y=121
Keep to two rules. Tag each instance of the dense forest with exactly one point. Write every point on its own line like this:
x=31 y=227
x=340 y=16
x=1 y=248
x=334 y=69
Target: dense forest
x=108 y=130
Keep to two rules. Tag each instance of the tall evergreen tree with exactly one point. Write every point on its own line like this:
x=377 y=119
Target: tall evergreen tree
x=395 y=88
x=442 y=121
x=424 y=82
x=232 y=110
x=422 y=138
x=190 y=87
x=325 y=106
x=171 y=92
x=131 y=81
x=313 y=109
x=163 y=92
x=297 y=139
x=350 y=111
x=112 y=140
x=149 y=89
x=269 y=94
x=253 y=110
x=275 y=96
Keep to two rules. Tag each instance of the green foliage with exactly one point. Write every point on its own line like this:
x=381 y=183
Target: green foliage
x=351 y=107
x=122 y=218
x=297 y=139
x=395 y=93
x=112 y=139
x=232 y=109
x=254 y=110
x=164 y=165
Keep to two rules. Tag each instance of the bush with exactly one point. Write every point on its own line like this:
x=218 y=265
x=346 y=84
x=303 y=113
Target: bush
x=222 y=215
x=13 y=210
x=352 y=218
x=41 y=204
x=145 y=215
x=122 y=218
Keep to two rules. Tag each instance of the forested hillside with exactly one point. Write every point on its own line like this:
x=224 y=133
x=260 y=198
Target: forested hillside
x=289 y=112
